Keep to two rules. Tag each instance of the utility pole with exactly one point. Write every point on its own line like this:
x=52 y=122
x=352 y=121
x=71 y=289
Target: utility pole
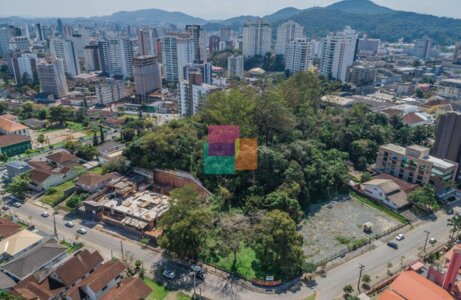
x=54 y=225
x=427 y=237
x=121 y=249
x=195 y=273
x=361 y=267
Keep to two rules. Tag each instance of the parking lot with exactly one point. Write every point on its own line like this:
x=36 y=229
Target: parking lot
x=333 y=227
x=183 y=275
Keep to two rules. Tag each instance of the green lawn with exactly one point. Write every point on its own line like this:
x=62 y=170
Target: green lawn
x=181 y=296
x=71 y=248
x=159 y=291
x=75 y=126
x=245 y=266
x=379 y=207
x=58 y=193
x=97 y=170
x=311 y=297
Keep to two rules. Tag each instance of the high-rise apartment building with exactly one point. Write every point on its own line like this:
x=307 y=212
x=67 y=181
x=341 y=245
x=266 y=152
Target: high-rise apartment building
x=448 y=137
x=52 y=78
x=423 y=48
x=116 y=57
x=177 y=52
x=235 y=66
x=361 y=75
x=225 y=33
x=147 y=75
x=5 y=35
x=80 y=42
x=192 y=92
x=213 y=44
x=205 y=69
x=24 y=64
x=147 y=40
x=368 y=47
x=39 y=32
x=198 y=36
x=60 y=28
x=65 y=50
x=110 y=91
x=91 y=58
x=257 y=38
x=457 y=54
x=338 y=53
x=299 y=56
x=20 y=43
x=287 y=32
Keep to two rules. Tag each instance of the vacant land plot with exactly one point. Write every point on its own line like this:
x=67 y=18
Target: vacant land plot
x=338 y=226
x=54 y=137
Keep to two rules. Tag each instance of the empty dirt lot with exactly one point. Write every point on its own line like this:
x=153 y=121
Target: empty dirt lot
x=331 y=228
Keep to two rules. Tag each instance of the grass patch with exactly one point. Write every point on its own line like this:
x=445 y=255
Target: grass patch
x=352 y=243
x=71 y=248
x=311 y=297
x=380 y=207
x=182 y=296
x=97 y=170
x=56 y=193
x=75 y=126
x=159 y=291
x=246 y=265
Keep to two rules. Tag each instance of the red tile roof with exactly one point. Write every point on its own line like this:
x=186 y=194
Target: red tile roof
x=61 y=157
x=77 y=266
x=412 y=286
x=12 y=139
x=130 y=288
x=103 y=275
x=411 y=118
x=8 y=228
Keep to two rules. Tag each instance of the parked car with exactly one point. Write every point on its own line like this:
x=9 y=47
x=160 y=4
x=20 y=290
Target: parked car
x=432 y=241
x=393 y=245
x=199 y=275
x=449 y=211
x=69 y=224
x=400 y=237
x=16 y=204
x=45 y=214
x=169 y=274
x=4 y=207
x=196 y=268
x=82 y=231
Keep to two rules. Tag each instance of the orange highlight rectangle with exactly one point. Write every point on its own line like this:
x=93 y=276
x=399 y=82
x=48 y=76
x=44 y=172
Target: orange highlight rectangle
x=246 y=155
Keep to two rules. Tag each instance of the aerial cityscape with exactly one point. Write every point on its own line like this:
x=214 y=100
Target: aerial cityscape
x=242 y=150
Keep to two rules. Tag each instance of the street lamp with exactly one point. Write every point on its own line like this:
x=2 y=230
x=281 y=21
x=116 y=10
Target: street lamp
x=425 y=243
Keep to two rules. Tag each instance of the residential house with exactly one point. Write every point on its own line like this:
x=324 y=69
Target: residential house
x=57 y=168
x=6 y=283
x=15 y=168
x=14 y=144
x=8 y=228
x=387 y=192
x=106 y=277
x=53 y=283
x=9 y=125
x=110 y=151
x=129 y=288
x=415 y=119
x=92 y=183
x=43 y=255
x=34 y=123
x=18 y=243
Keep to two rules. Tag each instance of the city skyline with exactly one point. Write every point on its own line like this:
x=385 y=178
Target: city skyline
x=214 y=11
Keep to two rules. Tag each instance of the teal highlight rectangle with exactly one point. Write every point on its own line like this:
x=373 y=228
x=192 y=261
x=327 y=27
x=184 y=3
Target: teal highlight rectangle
x=218 y=165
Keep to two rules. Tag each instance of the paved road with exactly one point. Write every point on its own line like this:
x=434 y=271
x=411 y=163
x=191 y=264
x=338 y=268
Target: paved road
x=107 y=245
x=375 y=261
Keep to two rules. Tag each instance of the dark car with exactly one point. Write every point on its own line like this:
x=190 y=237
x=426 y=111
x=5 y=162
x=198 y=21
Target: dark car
x=449 y=211
x=393 y=245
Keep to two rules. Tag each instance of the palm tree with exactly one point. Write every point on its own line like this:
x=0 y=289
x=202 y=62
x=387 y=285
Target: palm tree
x=455 y=224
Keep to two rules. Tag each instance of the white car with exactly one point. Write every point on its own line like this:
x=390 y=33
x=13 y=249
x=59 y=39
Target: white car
x=169 y=274
x=196 y=268
x=432 y=241
x=82 y=231
x=45 y=214
x=17 y=204
x=400 y=237
x=69 y=224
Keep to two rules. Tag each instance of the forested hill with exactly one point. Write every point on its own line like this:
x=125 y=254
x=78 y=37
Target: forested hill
x=390 y=26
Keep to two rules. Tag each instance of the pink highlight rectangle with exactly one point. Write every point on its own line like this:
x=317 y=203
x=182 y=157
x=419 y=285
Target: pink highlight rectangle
x=223 y=134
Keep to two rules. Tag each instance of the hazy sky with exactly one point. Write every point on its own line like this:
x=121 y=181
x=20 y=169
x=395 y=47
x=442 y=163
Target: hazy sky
x=208 y=9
